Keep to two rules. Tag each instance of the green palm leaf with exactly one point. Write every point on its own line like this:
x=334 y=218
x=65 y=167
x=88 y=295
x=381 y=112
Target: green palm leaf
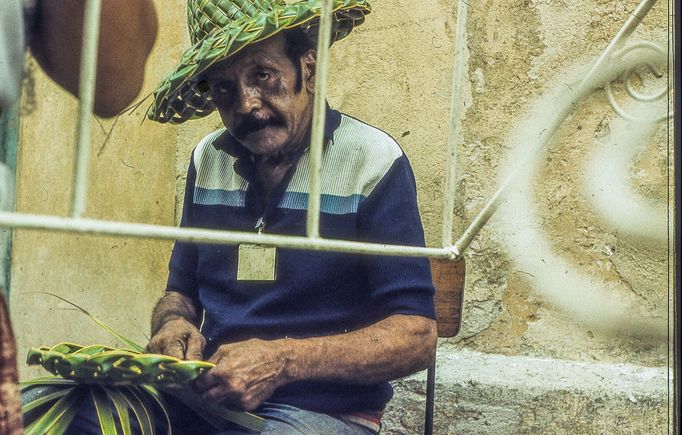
x=63 y=409
x=61 y=425
x=104 y=414
x=104 y=326
x=121 y=405
x=119 y=380
x=40 y=401
x=141 y=411
x=47 y=381
x=215 y=414
x=156 y=395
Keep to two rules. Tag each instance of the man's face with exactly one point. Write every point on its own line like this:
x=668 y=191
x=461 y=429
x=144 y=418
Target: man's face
x=256 y=96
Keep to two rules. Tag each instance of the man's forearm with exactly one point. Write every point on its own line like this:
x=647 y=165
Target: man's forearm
x=248 y=372
x=394 y=347
x=171 y=306
x=127 y=33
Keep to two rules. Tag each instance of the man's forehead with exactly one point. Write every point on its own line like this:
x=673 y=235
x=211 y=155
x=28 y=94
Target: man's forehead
x=269 y=51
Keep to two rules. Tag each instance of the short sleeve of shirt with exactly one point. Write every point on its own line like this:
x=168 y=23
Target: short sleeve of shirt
x=183 y=262
x=390 y=214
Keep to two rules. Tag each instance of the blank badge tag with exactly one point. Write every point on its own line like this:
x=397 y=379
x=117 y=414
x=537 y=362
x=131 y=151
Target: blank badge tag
x=256 y=263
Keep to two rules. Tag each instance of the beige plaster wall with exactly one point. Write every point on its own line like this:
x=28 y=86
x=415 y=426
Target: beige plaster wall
x=132 y=173
x=393 y=72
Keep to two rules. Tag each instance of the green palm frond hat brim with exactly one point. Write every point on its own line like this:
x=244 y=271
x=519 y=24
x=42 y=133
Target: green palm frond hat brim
x=221 y=28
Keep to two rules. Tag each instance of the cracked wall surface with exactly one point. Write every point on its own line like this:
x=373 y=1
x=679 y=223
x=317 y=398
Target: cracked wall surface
x=132 y=173
x=516 y=51
x=393 y=72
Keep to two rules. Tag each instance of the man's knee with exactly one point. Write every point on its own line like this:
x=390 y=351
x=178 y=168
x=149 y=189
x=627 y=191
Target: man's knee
x=285 y=420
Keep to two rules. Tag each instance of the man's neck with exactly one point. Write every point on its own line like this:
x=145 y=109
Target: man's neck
x=271 y=171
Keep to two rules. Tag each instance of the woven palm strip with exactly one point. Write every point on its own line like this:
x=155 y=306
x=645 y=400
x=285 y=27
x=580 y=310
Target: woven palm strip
x=103 y=364
x=221 y=28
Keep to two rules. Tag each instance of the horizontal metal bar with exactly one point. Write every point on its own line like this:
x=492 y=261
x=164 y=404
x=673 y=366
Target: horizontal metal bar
x=125 y=229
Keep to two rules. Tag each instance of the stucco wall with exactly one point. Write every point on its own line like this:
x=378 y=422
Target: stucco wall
x=132 y=179
x=395 y=72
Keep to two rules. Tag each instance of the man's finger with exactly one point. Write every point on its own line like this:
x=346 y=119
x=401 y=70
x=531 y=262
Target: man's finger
x=215 y=394
x=153 y=347
x=195 y=347
x=176 y=349
x=205 y=382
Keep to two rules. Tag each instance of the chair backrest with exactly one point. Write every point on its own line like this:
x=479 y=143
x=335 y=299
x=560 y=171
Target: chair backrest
x=448 y=278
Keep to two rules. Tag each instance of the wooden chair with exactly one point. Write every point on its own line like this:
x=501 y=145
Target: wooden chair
x=448 y=278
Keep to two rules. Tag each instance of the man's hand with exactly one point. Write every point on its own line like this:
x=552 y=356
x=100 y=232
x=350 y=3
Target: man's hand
x=174 y=327
x=178 y=338
x=246 y=373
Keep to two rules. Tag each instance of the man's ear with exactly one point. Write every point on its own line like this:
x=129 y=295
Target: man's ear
x=308 y=63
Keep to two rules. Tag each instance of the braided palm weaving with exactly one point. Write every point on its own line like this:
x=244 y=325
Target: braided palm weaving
x=103 y=364
x=220 y=28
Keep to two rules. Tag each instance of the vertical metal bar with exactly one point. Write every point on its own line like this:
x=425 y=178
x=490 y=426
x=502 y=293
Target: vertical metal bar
x=430 y=399
x=677 y=224
x=319 y=112
x=455 y=123
x=86 y=92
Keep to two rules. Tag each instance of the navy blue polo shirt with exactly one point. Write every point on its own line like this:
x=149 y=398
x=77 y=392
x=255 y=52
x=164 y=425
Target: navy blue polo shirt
x=368 y=194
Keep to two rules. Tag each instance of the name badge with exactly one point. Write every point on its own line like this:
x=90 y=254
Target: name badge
x=256 y=263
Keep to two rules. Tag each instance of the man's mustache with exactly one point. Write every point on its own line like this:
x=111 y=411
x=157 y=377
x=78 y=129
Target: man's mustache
x=250 y=123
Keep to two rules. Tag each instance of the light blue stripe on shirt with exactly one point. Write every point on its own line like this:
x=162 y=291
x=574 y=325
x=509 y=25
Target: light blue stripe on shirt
x=230 y=198
x=330 y=204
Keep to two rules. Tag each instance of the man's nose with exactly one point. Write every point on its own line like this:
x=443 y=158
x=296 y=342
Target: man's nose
x=248 y=99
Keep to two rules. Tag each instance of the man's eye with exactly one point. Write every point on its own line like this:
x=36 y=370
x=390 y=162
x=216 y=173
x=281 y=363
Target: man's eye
x=263 y=76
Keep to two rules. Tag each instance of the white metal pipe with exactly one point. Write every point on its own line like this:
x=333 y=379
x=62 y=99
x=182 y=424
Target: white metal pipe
x=630 y=25
x=86 y=93
x=202 y=235
x=319 y=114
x=480 y=220
x=587 y=82
x=455 y=123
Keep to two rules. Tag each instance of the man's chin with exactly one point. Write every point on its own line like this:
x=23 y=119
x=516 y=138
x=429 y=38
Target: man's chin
x=261 y=144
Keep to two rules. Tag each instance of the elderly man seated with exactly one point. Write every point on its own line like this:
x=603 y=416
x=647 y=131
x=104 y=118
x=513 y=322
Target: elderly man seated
x=307 y=340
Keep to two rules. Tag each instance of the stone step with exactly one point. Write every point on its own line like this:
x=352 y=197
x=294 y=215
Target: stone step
x=480 y=393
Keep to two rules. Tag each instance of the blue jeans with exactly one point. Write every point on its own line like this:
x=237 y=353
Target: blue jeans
x=279 y=420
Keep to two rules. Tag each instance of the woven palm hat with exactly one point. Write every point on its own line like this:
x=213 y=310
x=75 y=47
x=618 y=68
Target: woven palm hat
x=220 y=28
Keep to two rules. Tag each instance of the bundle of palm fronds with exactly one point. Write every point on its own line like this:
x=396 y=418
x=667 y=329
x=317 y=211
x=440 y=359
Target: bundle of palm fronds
x=125 y=386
